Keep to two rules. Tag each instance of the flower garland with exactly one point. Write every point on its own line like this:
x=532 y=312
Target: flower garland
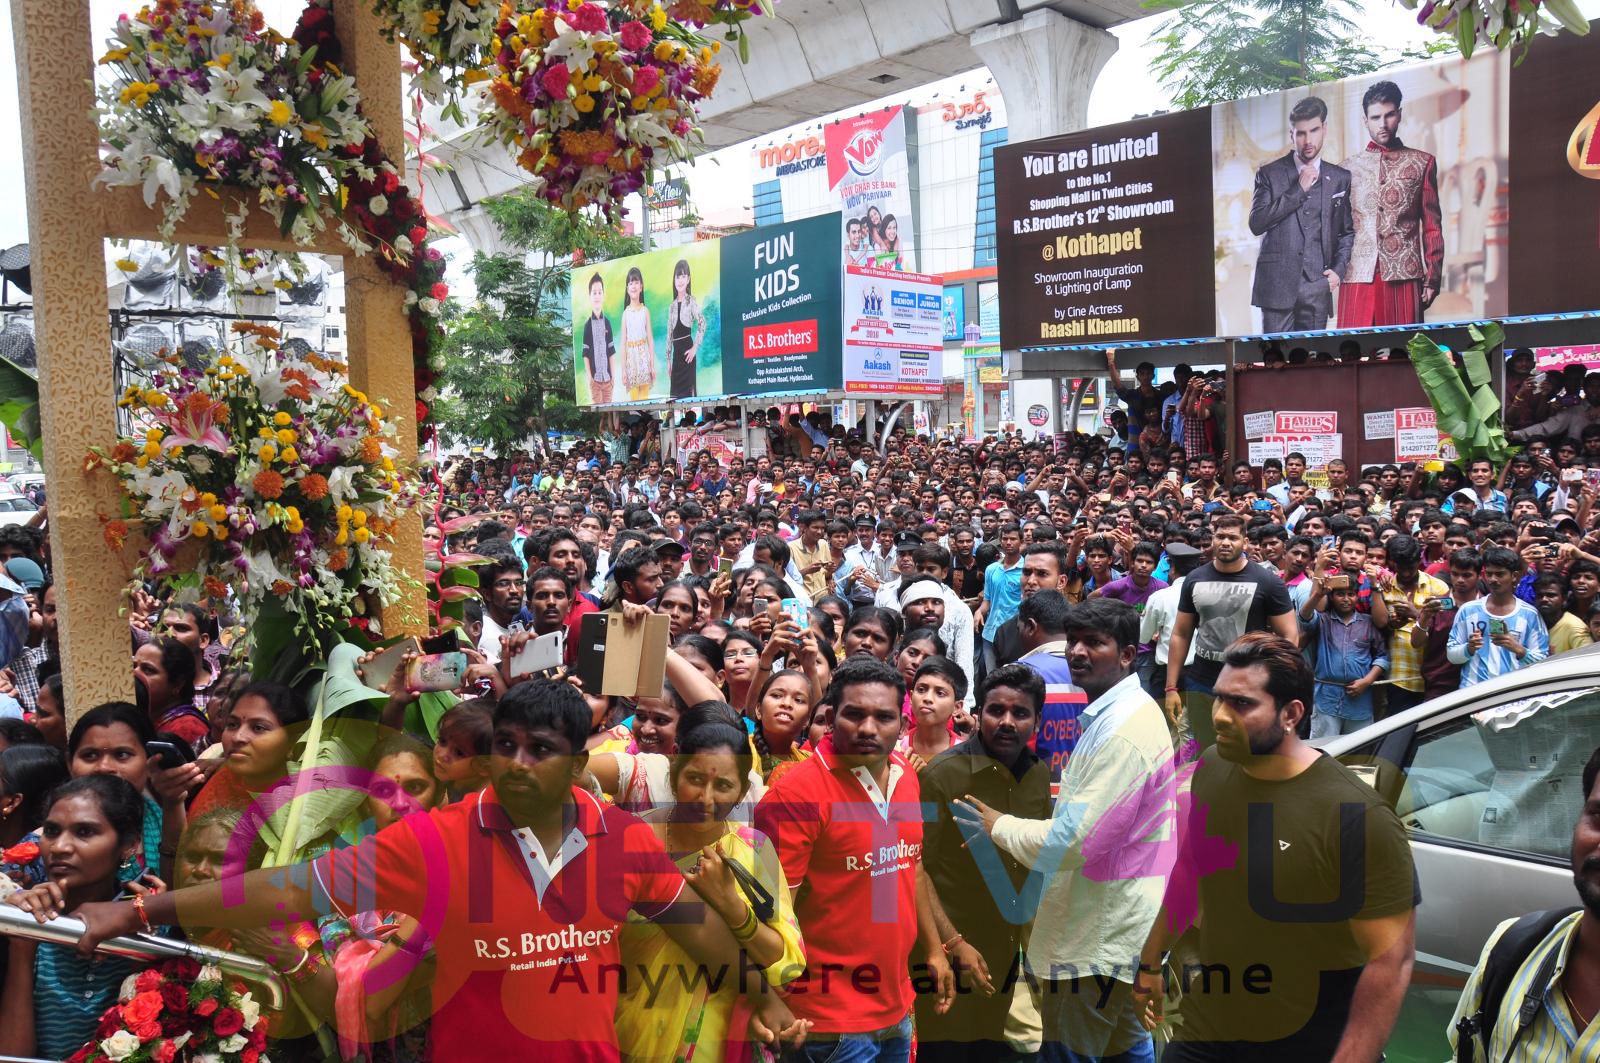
x=387 y=213
x=1500 y=23
x=206 y=96
x=592 y=99
x=449 y=43
x=272 y=476
x=178 y=1008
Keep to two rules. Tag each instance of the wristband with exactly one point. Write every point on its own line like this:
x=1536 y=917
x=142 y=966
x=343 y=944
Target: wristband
x=144 y=918
x=952 y=943
x=1172 y=690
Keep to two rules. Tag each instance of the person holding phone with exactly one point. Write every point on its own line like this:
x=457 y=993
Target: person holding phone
x=1501 y=633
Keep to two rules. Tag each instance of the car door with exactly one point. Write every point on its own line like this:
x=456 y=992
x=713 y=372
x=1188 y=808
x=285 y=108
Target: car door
x=1489 y=792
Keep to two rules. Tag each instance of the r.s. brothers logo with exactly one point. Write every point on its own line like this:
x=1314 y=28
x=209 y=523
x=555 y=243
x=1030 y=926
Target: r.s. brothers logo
x=864 y=152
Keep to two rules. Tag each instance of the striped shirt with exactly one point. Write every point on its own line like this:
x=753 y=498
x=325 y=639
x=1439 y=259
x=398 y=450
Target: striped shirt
x=1553 y=1036
x=1405 y=660
x=70 y=993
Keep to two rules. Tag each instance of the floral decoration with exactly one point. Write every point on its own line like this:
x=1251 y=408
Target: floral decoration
x=1500 y=23
x=449 y=44
x=205 y=95
x=730 y=13
x=179 y=1009
x=592 y=98
x=246 y=270
x=273 y=478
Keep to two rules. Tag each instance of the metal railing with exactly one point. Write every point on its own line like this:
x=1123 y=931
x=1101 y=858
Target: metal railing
x=64 y=930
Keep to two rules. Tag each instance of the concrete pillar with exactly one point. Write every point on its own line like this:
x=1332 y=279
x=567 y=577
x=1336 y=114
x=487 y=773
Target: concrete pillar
x=1045 y=65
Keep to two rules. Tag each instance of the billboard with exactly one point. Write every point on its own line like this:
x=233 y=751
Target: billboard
x=869 y=173
x=1377 y=200
x=955 y=313
x=1441 y=192
x=780 y=291
x=1105 y=235
x=894 y=332
x=648 y=327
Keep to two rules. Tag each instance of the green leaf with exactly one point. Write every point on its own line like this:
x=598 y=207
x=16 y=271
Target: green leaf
x=19 y=406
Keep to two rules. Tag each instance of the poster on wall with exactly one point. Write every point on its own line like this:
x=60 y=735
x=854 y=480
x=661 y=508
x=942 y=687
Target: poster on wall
x=1376 y=200
x=1105 y=235
x=870 y=176
x=955 y=313
x=893 y=331
x=780 y=291
x=648 y=327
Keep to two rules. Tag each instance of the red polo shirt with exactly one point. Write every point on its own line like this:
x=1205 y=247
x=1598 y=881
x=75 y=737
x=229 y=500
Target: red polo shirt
x=519 y=976
x=858 y=907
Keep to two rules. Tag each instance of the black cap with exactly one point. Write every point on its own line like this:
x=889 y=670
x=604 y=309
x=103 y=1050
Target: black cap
x=907 y=540
x=667 y=546
x=1179 y=551
x=865 y=521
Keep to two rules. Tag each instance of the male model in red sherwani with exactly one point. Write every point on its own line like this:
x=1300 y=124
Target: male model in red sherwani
x=1398 y=257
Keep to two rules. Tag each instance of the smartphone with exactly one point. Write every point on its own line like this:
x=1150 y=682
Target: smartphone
x=447 y=642
x=377 y=672
x=168 y=754
x=435 y=672
x=796 y=610
x=1571 y=475
x=541 y=654
x=1338 y=583
x=724 y=566
x=1445 y=602
x=1327 y=541
x=1262 y=505
x=1496 y=627
x=759 y=605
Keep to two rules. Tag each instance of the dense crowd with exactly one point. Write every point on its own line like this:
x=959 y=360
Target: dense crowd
x=912 y=783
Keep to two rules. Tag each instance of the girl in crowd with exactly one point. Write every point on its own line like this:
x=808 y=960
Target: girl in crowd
x=784 y=708
x=915 y=647
x=163 y=680
x=686 y=330
x=50 y=713
x=53 y=997
x=937 y=690
x=112 y=739
x=459 y=759
x=256 y=742
x=638 y=340
x=28 y=773
x=741 y=664
x=872 y=631
x=680 y=1019
x=678 y=604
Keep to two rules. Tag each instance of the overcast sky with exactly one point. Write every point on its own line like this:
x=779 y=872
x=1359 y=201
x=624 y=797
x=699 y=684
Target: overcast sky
x=1125 y=88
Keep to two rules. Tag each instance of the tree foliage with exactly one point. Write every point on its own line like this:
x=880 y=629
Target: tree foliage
x=1216 y=50
x=508 y=370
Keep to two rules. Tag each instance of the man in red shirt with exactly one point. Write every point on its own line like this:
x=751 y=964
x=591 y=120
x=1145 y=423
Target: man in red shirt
x=848 y=827
x=521 y=888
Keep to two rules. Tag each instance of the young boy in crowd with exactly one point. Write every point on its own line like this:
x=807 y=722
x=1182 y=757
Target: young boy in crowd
x=1352 y=654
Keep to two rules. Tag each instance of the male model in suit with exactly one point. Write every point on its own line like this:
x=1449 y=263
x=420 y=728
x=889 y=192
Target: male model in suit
x=1301 y=209
x=599 y=344
x=1398 y=258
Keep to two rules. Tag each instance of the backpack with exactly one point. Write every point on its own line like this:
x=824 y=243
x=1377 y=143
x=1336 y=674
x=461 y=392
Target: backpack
x=1505 y=959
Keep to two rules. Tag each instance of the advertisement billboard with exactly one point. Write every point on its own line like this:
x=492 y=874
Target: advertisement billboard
x=747 y=313
x=955 y=313
x=869 y=173
x=894 y=332
x=1105 y=235
x=648 y=327
x=1377 y=200
x=782 y=314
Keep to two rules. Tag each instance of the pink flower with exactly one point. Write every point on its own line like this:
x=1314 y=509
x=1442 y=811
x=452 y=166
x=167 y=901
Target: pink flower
x=555 y=80
x=589 y=18
x=440 y=290
x=645 y=79
x=636 y=36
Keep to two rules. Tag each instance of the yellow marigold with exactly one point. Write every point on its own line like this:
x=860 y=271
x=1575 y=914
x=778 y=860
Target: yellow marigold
x=431 y=20
x=200 y=530
x=583 y=102
x=359 y=518
x=282 y=420
x=362 y=535
x=286 y=437
x=289 y=455
x=314 y=487
x=115 y=55
x=267 y=484
x=371 y=450
x=658 y=18
x=127 y=265
x=665 y=51
x=342 y=538
x=217 y=513
x=315 y=134
x=268 y=454
x=222 y=531
x=344 y=514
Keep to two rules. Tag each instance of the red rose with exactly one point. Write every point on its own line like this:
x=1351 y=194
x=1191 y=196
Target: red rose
x=228 y=1022
x=164 y=1052
x=143 y=1008
x=636 y=36
x=20 y=853
x=82 y=1054
x=183 y=970
x=147 y=1031
x=147 y=980
x=418 y=234
x=205 y=1007
x=174 y=996
x=249 y=1055
x=391 y=181
x=440 y=290
x=258 y=1033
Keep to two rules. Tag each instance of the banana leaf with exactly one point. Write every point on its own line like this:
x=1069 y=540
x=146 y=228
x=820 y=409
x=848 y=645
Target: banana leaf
x=1465 y=405
x=19 y=406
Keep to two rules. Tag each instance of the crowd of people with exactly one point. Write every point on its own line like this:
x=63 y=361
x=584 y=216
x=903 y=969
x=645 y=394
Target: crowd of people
x=955 y=742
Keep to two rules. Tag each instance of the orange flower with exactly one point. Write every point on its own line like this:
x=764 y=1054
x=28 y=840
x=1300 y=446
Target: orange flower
x=705 y=79
x=267 y=484
x=691 y=11
x=215 y=588
x=371 y=450
x=338 y=558
x=589 y=147
x=124 y=452
x=314 y=487
x=116 y=533
x=281 y=587
x=510 y=100
x=298 y=391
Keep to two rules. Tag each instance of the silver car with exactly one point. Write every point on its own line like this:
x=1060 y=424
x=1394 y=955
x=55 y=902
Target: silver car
x=1487 y=781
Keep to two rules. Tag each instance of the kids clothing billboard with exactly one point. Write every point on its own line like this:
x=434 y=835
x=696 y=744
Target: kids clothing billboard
x=755 y=312
x=870 y=174
x=1455 y=190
